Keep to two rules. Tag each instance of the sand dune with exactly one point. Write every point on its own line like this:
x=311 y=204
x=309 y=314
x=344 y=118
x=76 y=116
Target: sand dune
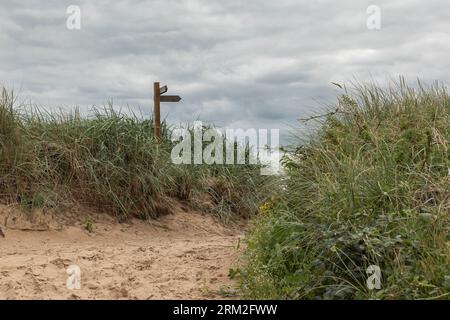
x=183 y=255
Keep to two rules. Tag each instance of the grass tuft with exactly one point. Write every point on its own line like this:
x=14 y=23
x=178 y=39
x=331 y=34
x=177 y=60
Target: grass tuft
x=371 y=187
x=111 y=161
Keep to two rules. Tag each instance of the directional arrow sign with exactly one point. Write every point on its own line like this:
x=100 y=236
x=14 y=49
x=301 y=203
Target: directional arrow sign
x=158 y=97
x=170 y=98
x=163 y=90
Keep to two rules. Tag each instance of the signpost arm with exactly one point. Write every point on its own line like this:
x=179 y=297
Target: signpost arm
x=157 y=112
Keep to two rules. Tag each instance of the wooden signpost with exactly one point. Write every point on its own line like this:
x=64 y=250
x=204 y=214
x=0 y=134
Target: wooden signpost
x=157 y=99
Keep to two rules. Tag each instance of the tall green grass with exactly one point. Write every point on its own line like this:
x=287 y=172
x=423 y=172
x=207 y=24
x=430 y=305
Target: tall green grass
x=371 y=187
x=112 y=162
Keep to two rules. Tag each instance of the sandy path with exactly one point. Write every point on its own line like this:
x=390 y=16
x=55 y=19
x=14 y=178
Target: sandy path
x=184 y=255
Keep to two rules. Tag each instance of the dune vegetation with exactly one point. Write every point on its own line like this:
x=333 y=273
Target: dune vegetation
x=111 y=161
x=371 y=187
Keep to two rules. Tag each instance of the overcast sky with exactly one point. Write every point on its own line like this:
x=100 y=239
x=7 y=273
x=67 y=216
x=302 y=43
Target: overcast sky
x=253 y=63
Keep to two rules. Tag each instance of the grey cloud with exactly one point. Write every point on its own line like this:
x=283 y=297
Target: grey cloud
x=253 y=63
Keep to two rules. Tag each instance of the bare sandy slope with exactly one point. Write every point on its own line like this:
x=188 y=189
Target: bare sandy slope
x=183 y=255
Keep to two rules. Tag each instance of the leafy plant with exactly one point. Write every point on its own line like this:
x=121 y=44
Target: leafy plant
x=370 y=187
x=89 y=225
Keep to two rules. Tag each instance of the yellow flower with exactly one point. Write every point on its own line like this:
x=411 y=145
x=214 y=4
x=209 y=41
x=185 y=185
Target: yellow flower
x=263 y=208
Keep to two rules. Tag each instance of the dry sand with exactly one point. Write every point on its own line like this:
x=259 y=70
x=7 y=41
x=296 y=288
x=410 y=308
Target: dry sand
x=184 y=255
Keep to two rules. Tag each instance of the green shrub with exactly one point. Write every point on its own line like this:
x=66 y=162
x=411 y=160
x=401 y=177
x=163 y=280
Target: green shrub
x=371 y=187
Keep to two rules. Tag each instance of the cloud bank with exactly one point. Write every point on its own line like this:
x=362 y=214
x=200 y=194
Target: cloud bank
x=245 y=64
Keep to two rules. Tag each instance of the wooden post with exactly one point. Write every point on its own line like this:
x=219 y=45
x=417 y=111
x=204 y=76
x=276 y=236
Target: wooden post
x=158 y=97
x=157 y=111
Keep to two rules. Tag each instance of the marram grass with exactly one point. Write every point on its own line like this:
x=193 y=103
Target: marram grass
x=371 y=187
x=112 y=162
